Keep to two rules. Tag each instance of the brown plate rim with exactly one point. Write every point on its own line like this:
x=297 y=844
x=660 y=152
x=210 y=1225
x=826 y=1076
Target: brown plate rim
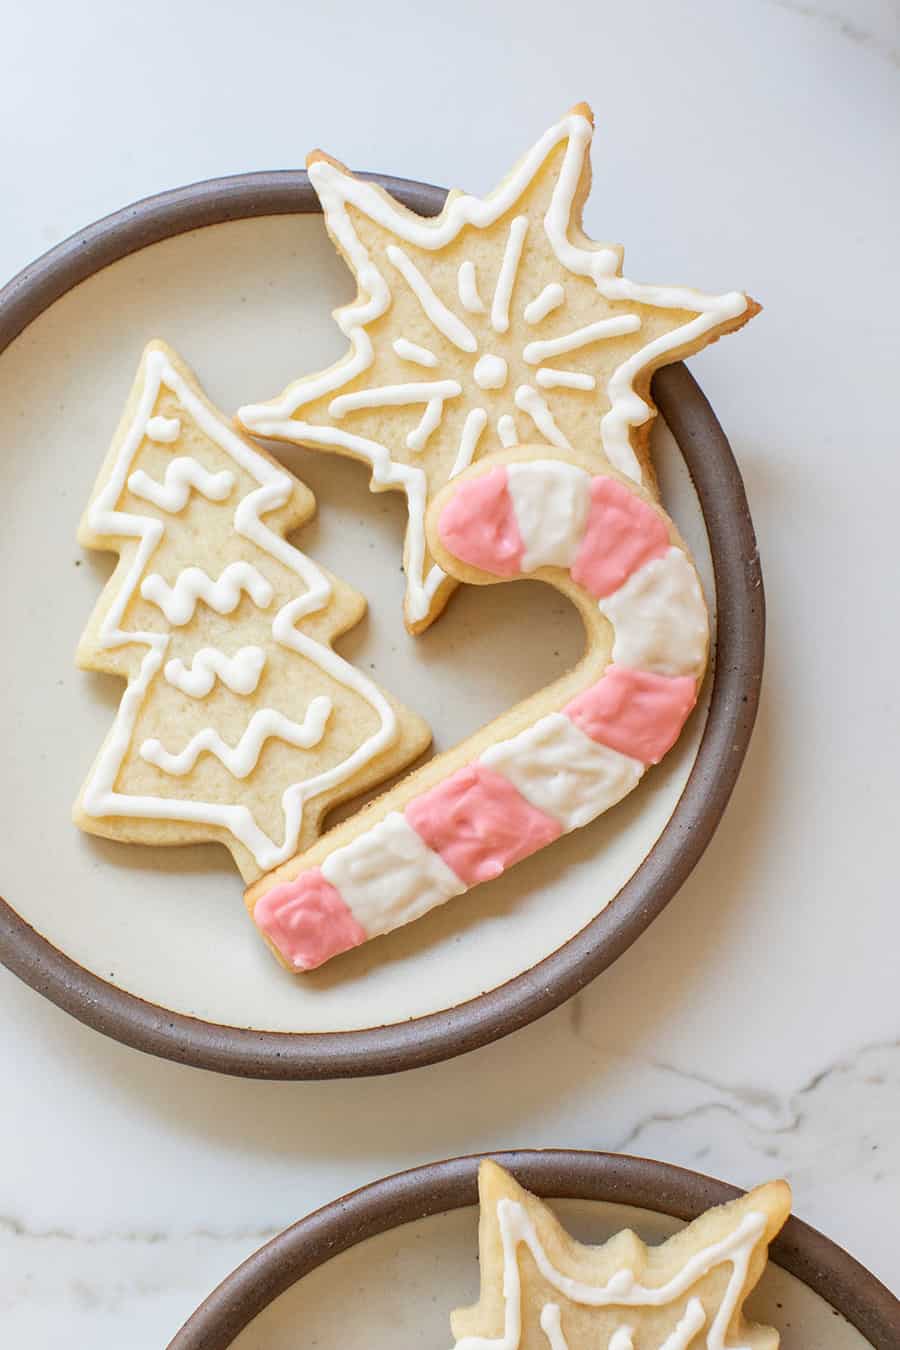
x=249 y=1053
x=555 y=1174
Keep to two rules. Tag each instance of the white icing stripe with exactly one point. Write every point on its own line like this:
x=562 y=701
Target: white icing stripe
x=530 y=402
x=165 y=430
x=444 y=320
x=411 y=351
x=467 y=288
x=506 y=279
x=394 y=395
x=687 y=1327
x=388 y=876
x=242 y=758
x=192 y=585
x=601 y=331
x=474 y=425
x=622 y=1339
x=240 y=673
x=564 y=379
x=182 y=475
x=99 y=797
x=431 y=419
x=550 y=298
x=552 y=1327
x=562 y=772
x=506 y=430
x=622 y=1290
x=551 y=501
x=659 y=618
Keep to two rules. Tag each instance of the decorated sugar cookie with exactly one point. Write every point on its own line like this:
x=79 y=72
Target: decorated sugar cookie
x=494 y=324
x=547 y=766
x=542 y=1290
x=239 y=722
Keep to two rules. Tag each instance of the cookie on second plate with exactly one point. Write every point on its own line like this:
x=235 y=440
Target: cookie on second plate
x=542 y=1290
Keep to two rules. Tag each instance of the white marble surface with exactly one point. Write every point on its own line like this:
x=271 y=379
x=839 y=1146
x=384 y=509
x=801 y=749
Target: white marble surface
x=753 y=1029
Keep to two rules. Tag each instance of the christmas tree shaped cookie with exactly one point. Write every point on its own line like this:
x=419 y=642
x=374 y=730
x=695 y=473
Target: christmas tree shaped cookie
x=542 y=1290
x=496 y=323
x=239 y=722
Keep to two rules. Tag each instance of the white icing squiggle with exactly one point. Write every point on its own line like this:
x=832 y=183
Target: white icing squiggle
x=536 y=352
x=411 y=351
x=550 y=298
x=242 y=758
x=240 y=673
x=182 y=475
x=530 y=401
x=622 y=1290
x=443 y=319
x=506 y=430
x=394 y=396
x=166 y=430
x=564 y=379
x=192 y=585
x=474 y=425
x=431 y=420
x=99 y=797
x=512 y=256
x=467 y=287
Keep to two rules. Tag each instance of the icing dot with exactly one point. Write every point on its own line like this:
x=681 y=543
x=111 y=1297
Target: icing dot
x=163 y=429
x=491 y=372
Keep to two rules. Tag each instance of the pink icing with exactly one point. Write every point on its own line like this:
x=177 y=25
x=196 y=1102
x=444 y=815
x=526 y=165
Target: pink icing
x=307 y=920
x=622 y=533
x=479 y=824
x=635 y=712
x=478 y=525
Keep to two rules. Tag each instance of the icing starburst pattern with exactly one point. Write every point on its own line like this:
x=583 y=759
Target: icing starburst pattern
x=496 y=323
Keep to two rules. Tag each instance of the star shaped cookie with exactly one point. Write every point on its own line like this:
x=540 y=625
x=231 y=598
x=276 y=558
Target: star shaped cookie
x=496 y=322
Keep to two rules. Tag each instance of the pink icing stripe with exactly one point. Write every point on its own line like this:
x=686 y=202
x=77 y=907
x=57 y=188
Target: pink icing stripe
x=622 y=533
x=635 y=712
x=479 y=824
x=308 y=921
x=478 y=525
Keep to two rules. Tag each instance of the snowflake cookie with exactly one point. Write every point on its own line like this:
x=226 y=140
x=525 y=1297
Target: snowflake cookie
x=239 y=722
x=542 y=1290
x=496 y=323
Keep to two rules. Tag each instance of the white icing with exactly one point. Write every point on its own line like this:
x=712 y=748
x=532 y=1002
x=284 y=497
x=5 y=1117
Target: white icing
x=490 y=372
x=601 y=331
x=506 y=430
x=551 y=501
x=621 y=1339
x=443 y=318
x=467 y=288
x=516 y=1227
x=389 y=877
x=337 y=188
x=182 y=475
x=474 y=425
x=550 y=298
x=431 y=419
x=659 y=618
x=192 y=585
x=564 y=379
x=531 y=402
x=563 y=772
x=242 y=758
x=506 y=278
x=100 y=797
x=693 y=1318
x=240 y=673
x=411 y=351
x=394 y=395
x=166 y=430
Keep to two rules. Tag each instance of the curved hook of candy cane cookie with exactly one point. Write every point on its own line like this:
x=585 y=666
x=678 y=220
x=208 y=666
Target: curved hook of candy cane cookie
x=551 y=763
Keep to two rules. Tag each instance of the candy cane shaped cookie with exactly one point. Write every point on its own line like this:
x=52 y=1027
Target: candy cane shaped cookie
x=551 y=763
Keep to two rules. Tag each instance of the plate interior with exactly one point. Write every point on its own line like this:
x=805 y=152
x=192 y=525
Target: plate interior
x=404 y=1284
x=248 y=304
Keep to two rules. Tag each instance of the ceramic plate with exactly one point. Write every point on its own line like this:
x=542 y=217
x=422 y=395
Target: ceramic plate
x=407 y=1249
x=154 y=947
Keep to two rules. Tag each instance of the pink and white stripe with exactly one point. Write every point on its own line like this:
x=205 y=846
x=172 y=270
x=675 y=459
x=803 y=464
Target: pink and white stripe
x=568 y=766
